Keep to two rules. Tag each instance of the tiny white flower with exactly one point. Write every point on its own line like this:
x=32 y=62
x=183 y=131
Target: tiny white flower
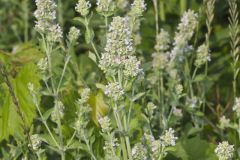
x=168 y=139
x=224 y=151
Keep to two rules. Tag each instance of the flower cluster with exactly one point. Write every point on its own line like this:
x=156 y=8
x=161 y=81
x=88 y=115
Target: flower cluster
x=138 y=7
x=83 y=7
x=83 y=111
x=118 y=52
x=108 y=148
x=179 y=89
x=43 y=64
x=105 y=124
x=177 y=112
x=46 y=16
x=73 y=34
x=105 y=7
x=202 y=55
x=224 y=151
x=224 y=122
x=184 y=33
x=139 y=152
x=150 y=109
x=58 y=111
x=160 y=57
x=55 y=33
x=236 y=106
x=114 y=91
x=122 y=4
x=155 y=146
x=35 y=141
x=85 y=93
x=168 y=139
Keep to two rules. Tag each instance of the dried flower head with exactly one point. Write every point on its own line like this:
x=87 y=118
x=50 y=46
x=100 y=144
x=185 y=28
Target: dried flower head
x=168 y=139
x=224 y=151
x=202 y=55
x=83 y=7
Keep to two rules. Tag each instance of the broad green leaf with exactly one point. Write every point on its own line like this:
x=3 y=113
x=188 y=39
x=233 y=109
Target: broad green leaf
x=195 y=148
x=99 y=107
x=10 y=122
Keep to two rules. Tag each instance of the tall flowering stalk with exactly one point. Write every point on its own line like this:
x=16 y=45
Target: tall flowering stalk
x=121 y=67
x=52 y=38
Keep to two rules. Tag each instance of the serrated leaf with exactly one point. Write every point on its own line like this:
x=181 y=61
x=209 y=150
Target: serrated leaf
x=10 y=122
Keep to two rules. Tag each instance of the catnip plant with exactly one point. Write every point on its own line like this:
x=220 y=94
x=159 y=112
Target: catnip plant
x=142 y=91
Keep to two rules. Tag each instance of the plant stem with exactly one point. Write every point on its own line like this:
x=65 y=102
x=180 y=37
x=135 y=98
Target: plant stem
x=89 y=148
x=26 y=18
x=156 y=15
x=123 y=147
x=183 y=6
x=44 y=121
x=162 y=10
x=63 y=72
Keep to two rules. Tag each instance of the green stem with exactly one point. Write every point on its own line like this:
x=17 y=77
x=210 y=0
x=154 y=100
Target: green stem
x=162 y=11
x=156 y=15
x=26 y=19
x=63 y=72
x=44 y=121
x=123 y=147
x=89 y=148
x=183 y=6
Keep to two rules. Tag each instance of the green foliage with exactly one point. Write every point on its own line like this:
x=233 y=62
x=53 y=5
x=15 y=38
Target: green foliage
x=10 y=122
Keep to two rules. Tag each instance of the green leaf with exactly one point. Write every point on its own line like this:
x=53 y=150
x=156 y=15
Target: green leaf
x=194 y=148
x=79 y=19
x=99 y=107
x=47 y=114
x=10 y=122
x=92 y=56
x=138 y=96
